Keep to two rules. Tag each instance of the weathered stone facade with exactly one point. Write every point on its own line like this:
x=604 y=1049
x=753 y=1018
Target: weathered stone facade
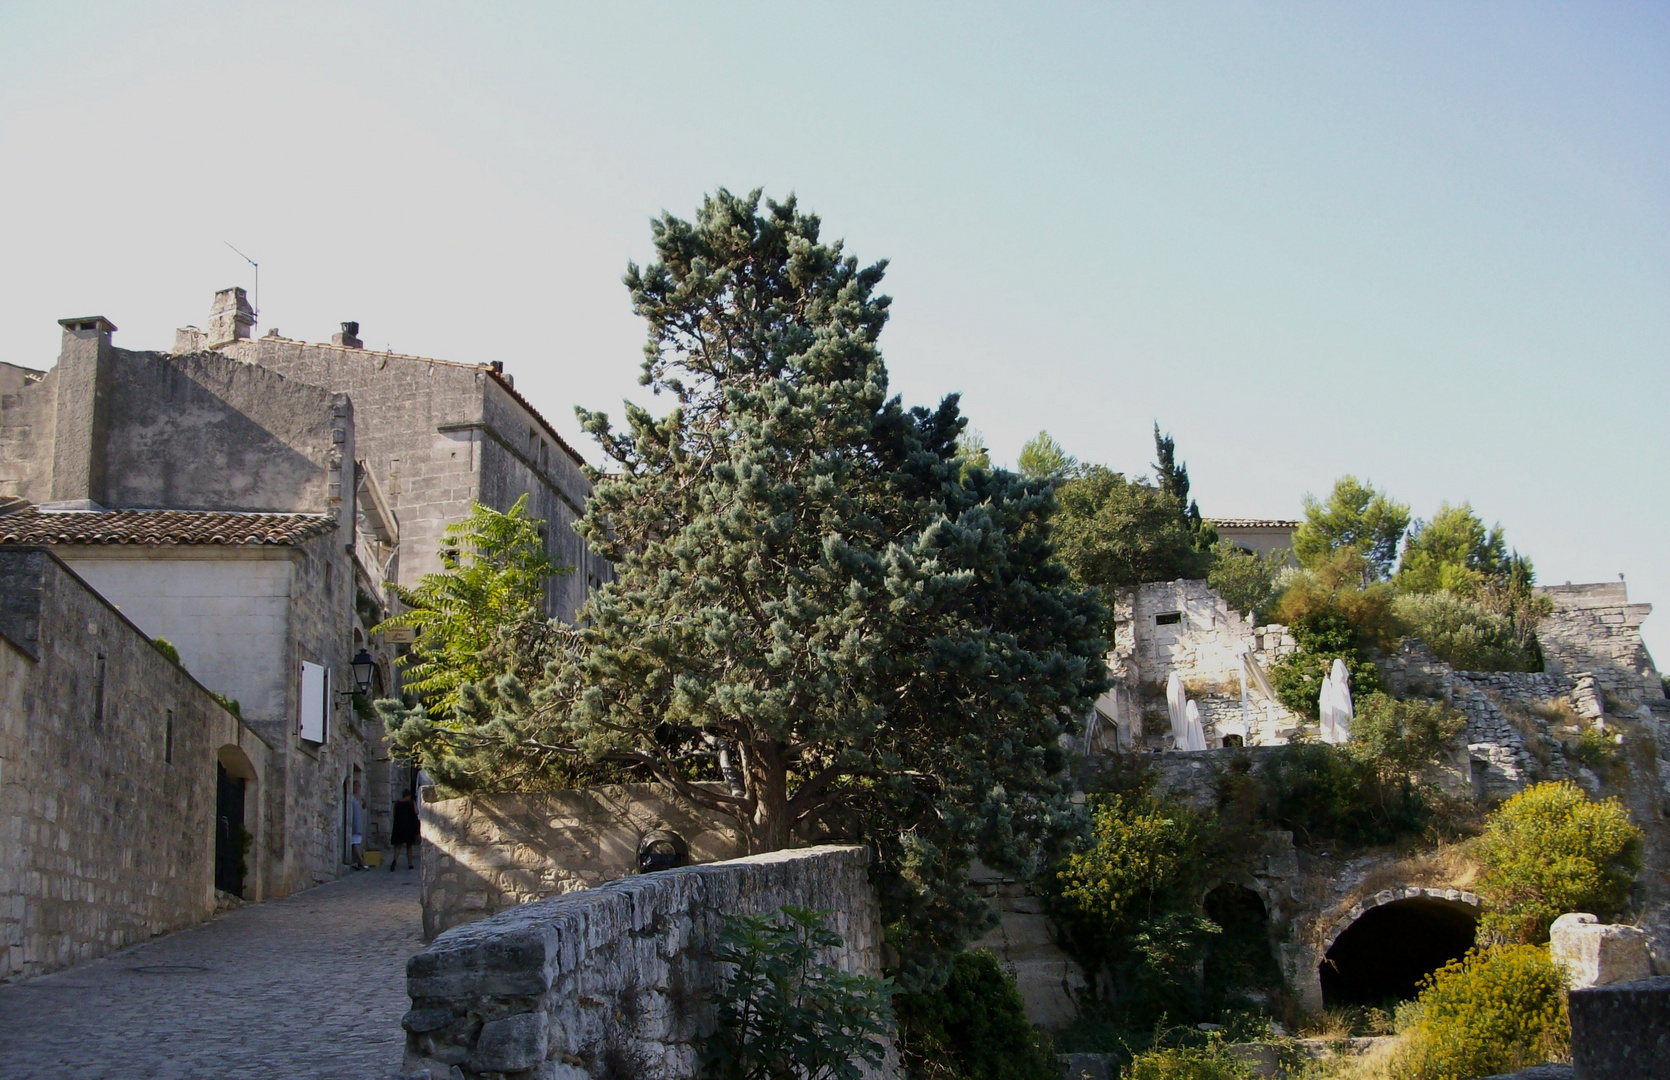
x=486 y=853
x=1594 y=629
x=108 y=754
x=614 y=981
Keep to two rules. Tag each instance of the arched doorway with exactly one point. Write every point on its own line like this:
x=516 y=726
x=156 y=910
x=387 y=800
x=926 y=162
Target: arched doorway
x=1239 y=956
x=234 y=778
x=1385 y=952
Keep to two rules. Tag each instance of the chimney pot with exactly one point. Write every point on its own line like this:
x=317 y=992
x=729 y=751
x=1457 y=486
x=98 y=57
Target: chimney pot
x=231 y=318
x=350 y=336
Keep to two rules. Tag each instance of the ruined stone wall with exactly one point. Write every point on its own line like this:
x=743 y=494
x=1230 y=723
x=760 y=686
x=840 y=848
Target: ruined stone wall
x=1595 y=629
x=614 y=981
x=107 y=784
x=27 y=413
x=486 y=853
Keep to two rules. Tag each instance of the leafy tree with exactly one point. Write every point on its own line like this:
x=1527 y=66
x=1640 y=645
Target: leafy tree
x=1549 y=850
x=1172 y=477
x=1355 y=515
x=1335 y=587
x=1453 y=552
x=1042 y=458
x=1401 y=739
x=494 y=570
x=1113 y=533
x=1322 y=638
x=971 y=447
x=974 y=1028
x=1246 y=580
x=820 y=625
x=1494 y=1011
x=783 y=1015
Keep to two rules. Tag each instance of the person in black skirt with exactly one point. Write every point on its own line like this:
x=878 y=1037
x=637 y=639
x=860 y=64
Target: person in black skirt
x=405 y=831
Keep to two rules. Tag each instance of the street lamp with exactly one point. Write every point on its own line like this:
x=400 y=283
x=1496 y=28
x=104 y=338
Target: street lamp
x=364 y=668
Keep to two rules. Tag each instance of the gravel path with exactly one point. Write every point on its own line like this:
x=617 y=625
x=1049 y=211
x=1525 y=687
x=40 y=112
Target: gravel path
x=312 y=985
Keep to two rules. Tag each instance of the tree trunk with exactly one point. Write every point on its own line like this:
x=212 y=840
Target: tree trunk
x=769 y=776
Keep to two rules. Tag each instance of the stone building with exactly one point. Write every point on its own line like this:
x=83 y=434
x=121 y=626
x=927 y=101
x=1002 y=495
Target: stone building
x=115 y=766
x=1261 y=536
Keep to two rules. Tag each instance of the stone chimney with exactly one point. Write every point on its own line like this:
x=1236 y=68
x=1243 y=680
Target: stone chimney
x=231 y=319
x=350 y=336
x=82 y=413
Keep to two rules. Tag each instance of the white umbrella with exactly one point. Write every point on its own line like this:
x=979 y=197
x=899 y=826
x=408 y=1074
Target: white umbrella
x=1325 y=709
x=1193 y=733
x=1177 y=702
x=1343 y=712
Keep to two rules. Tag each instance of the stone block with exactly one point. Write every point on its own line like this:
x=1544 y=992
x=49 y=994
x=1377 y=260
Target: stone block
x=1087 y=1067
x=1621 y=1031
x=516 y=1042
x=1261 y=1059
x=1596 y=953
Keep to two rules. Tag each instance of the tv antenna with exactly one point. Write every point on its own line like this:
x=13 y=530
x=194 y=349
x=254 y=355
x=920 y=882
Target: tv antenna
x=257 y=304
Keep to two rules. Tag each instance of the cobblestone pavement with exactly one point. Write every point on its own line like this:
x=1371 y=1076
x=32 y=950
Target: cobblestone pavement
x=312 y=985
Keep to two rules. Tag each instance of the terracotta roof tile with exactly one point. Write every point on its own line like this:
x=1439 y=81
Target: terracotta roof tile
x=1255 y=523
x=161 y=527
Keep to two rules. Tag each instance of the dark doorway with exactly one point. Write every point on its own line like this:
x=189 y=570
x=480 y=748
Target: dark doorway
x=1383 y=956
x=1239 y=957
x=229 y=832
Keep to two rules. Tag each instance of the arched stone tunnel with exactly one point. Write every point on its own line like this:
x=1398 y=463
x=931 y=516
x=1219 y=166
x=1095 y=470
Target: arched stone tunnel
x=1384 y=947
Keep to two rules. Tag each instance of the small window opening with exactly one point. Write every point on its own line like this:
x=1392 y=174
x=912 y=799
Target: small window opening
x=1234 y=740
x=661 y=850
x=1168 y=618
x=168 y=738
x=98 y=688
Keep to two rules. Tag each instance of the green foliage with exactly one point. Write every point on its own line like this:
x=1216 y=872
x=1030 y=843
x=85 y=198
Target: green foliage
x=971 y=450
x=1172 y=477
x=1335 y=586
x=1452 y=553
x=1325 y=793
x=1549 y=850
x=1186 y=1063
x=494 y=570
x=1596 y=749
x=1042 y=458
x=974 y=1028
x=1494 y=1011
x=821 y=624
x=1128 y=903
x=784 y=1015
x=1322 y=638
x=1355 y=516
x=1401 y=739
x=166 y=648
x=1465 y=634
x=1246 y=580
x=1113 y=533
x=229 y=704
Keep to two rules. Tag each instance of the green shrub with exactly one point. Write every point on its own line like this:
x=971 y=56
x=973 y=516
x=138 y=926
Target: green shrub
x=1401 y=739
x=783 y=1014
x=1326 y=793
x=1596 y=749
x=166 y=648
x=1184 y=1063
x=1549 y=850
x=229 y=704
x=975 y=1028
x=1322 y=638
x=1493 y=1011
x=1464 y=633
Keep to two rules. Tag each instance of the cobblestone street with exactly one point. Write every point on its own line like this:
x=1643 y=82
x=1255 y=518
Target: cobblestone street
x=312 y=985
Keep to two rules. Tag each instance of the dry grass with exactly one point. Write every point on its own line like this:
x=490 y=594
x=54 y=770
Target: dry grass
x=1534 y=734
x=1556 y=711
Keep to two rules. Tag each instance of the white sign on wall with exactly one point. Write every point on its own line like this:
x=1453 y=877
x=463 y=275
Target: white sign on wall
x=315 y=701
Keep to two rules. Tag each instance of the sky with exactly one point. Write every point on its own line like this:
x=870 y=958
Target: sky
x=1425 y=244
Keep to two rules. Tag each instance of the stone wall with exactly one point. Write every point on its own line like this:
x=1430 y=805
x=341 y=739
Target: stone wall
x=1595 y=629
x=487 y=853
x=90 y=866
x=614 y=981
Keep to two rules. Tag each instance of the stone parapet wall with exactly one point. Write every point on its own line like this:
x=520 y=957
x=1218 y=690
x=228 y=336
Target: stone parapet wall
x=492 y=852
x=1595 y=629
x=614 y=981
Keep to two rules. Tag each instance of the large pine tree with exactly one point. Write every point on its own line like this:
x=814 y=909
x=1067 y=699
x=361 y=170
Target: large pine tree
x=824 y=624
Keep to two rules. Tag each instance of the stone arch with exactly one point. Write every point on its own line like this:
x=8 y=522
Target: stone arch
x=1241 y=955
x=1381 y=948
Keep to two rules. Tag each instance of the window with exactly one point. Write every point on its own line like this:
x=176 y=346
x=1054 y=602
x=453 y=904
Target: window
x=1168 y=618
x=98 y=689
x=314 y=705
x=168 y=738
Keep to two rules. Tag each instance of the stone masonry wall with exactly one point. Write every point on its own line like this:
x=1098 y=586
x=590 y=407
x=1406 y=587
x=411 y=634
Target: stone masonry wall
x=1595 y=629
x=614 y=982
x=89 y=866
x=491 y=852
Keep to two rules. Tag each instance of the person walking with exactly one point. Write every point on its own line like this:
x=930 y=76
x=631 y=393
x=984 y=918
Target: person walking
x=356 y=829
x=406 y=829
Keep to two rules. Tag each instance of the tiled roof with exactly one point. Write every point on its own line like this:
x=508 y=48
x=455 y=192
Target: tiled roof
x=160 y=527
x=1254 y=523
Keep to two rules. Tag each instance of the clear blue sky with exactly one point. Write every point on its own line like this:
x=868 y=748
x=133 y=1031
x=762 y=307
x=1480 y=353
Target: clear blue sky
x=1427 y=244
